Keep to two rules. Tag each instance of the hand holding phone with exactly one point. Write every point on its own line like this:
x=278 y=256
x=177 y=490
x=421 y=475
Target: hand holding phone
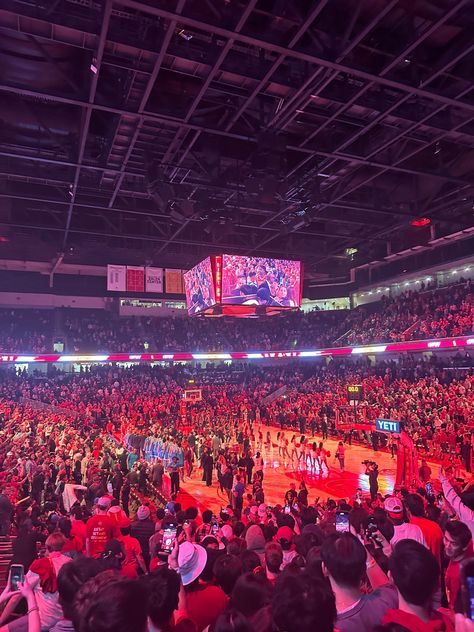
x=342 y=522
x=17 y=576
x=169 y=538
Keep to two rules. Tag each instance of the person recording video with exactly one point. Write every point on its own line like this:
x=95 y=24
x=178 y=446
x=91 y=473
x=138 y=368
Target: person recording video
x=372 y=471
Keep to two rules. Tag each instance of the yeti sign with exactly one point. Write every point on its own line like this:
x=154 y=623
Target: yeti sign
x=387 y=425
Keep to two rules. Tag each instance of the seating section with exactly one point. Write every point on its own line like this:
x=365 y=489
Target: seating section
x=412 y=315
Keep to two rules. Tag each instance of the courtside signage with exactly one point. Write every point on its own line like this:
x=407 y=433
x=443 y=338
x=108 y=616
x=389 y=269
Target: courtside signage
x=387 y=425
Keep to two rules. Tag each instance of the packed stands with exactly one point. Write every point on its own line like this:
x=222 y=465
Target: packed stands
x=84 y=461
x=411 y=315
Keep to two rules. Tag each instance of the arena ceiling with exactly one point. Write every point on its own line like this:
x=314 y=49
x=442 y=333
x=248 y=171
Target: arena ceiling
x=172 y=129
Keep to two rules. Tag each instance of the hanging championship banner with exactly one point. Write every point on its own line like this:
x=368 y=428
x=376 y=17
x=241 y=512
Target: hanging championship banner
x=116 y=278
x=135 y=279
x=174 y=281
x=154 y=280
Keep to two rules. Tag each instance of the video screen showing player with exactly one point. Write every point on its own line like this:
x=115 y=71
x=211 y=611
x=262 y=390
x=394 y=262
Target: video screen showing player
x=199 y=287
x=261 y=281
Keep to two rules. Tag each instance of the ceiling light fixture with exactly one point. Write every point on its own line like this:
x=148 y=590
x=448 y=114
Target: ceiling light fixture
x=185 y=35
x=420 y=221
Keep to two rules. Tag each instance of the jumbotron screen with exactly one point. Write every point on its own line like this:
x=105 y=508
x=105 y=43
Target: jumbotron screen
x=199 y=287
x=260 y=281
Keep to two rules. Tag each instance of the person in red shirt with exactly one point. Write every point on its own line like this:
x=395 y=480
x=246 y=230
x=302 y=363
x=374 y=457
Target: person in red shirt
x=97 y=443
x=100 y=529
x=431 y=530
x=457 y=546
x=204 y=602
x=415 y=572
x=78 y=527
x=73 y=543
x=133 y=551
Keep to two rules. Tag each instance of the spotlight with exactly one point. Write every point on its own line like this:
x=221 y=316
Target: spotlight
x=420 y=221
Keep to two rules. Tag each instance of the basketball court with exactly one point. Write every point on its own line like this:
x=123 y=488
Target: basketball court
x=279 y=473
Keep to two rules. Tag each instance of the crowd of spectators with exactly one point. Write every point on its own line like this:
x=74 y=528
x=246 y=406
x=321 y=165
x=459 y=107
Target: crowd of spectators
x=84 y=458
x=103 y=551
x=411 y=315
x=425 y=314
x=26 y=329
x=434 y=401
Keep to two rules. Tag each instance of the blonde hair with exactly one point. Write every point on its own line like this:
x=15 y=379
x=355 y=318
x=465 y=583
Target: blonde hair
x=55 y=542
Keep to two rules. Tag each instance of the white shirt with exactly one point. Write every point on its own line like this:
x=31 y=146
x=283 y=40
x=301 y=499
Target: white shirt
x=50 y=611
x=407 y=531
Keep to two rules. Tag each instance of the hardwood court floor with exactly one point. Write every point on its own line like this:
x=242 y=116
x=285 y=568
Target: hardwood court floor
x=279 y=473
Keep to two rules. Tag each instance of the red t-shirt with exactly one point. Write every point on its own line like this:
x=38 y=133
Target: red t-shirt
x=100 y=529
x=438 y=622
x=80 y=530
x=433 y=535
x=453 y=581
x=132 y=551
x=205 y=604
x=73 y=544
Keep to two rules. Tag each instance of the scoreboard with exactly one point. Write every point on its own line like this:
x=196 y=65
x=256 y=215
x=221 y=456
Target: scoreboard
x=355 y=392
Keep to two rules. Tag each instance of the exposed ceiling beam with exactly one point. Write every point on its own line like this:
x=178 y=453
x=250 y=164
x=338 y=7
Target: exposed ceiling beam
x=88 y=112
x=144 y=100
x=313 y=59
x=397 y=167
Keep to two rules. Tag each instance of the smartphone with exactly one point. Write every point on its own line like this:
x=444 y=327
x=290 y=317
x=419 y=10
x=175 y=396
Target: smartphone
x=169 y=537
x=429 y=488
x=295 y=506
x=214 y=528
x=287 y=509
x=342 y=522
x=17 y=575
x=371 y=527
x=467 y=587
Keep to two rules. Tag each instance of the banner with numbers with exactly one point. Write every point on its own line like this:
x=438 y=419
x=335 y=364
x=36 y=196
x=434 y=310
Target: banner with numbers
x=174 y=281
x=135 y=279
x=116 y=278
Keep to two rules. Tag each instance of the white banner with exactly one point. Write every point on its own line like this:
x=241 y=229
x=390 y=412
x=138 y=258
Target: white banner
x=154 y=280
x=116 y=278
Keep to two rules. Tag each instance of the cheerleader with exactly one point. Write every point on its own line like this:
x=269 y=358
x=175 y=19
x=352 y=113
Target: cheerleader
x=314 y=456
x=268 y=443
x=294 y=451
x=284 y=442
x=323 y=457
x=302 y=454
